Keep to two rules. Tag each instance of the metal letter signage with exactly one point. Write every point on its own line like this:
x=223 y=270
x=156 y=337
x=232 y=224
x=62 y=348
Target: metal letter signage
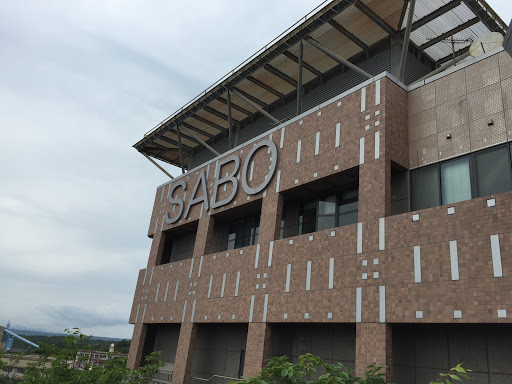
x=219 y=180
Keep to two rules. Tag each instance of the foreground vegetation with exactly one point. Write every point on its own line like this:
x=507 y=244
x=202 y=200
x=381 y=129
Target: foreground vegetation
x=55 y=366
x=312 y=370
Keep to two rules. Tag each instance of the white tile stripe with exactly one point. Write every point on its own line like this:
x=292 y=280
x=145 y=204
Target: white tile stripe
x=143 y=314
x=200 y=267
x=163 y=190
x=331 y=273
x=251 y=311
x=299 y=144
x=193 y=311
x=251 y=172
x=288 y=277
x=176 y=289
x=317 y=143
x=382 y=304
x=151 y=278
x=210 y=287
x=308 y=276
x=191 y=268
x=257 y=257
x=361 y=150
x=382 y=234
x=184 y=311
x=223 y=285
x=417 y=264
x=282 y=138
x=359 y=294
x=137 y=315
x=377 y=92
x=145 y=273
x=265 y=306
x=337 y=140
x=454 y=260
x=156 y=225
x=157 y=290
x=363 y=99
x=496 y=256
x=166 y=291
x=278 y=180
x=377 y=145
x=237 y=283
x=270 y=251
x=359 y=237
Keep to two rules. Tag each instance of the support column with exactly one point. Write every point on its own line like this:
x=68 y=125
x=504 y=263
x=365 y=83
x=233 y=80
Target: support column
x=258 y=348
x=270 y=221
x=137 y=346
x=157 y=248
x=184 y=353
x=373 y=345
x=374 y=189
x=204 y=235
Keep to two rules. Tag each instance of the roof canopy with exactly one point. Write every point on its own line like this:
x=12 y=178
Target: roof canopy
x=330 y=35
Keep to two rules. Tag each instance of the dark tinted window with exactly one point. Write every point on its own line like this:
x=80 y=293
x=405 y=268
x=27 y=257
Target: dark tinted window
x=492 y=171
x=455 y=181
x=425 y=188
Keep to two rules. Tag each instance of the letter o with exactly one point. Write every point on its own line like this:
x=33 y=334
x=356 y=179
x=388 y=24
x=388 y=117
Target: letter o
x=273 y=164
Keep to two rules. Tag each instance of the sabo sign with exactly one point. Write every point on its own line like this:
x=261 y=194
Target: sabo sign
x=230 y=178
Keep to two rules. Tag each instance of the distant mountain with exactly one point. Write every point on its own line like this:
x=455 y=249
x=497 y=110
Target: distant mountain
x=21 y=330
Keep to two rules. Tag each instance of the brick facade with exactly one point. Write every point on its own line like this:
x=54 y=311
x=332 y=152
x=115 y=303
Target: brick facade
x=375 y=276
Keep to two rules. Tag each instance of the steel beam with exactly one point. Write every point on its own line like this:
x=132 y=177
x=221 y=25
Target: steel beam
x=374 y=17
x=337 y=58
x=402 y=14
x=230 y=121
x=434 y=15
x=201 y=141
x=451 y=32
x=208 y=122
x=265 y=86
x=281 y=75
x=450 y=56
x=299 y=79
x=235 y=106
x=405 y=42
x=345 y=32
x=260 y=110
x=216 y=113
x=444 y=67
x=179 y=149
x=309 y=67
x=173 y=142
x=197 y=130
x=251 y=97
x=158 y=165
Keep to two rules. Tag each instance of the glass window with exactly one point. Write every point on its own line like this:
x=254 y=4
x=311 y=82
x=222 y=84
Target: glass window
x=307 y=221
x=492 y=171
x=425 y=188
x=455 y=181
x=348 y=213
x=327 y=213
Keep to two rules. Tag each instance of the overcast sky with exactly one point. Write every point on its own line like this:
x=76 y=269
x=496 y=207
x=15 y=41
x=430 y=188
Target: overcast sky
x=80 y=83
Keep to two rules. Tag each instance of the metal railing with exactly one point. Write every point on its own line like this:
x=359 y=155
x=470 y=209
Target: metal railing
x=258 y=53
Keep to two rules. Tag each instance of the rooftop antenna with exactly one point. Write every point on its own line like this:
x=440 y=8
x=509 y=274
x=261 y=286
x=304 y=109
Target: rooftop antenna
x=486 y=43
x=452 y=41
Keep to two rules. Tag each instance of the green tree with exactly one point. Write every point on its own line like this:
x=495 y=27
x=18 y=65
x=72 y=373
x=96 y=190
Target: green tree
x=312 y=369
x=61 y=368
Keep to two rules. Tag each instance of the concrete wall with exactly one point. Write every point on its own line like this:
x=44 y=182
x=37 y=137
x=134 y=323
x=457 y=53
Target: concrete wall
x=461 y=104
x=420 y=353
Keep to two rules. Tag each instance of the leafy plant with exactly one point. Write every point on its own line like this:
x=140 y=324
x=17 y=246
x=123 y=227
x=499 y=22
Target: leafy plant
x=456 y=374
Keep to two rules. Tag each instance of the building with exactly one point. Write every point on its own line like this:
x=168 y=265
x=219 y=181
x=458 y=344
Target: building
x=89 y=357
x=17 y=365
x=359 y=210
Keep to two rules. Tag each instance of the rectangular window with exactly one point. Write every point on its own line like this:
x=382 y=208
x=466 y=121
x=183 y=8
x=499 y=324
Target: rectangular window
x=425 y=188
x=348 y=208
x=492 y=171
x=455 y=181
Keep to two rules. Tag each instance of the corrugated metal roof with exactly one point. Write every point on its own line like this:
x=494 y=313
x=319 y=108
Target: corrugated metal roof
x=345 y=27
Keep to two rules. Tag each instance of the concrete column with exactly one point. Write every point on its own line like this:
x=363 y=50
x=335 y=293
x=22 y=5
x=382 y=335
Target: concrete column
x=374 y=189
x=258 y=348
x=373 y=345
x=204 y=235
x=137 y=346
x=184 y=353
x=157 y=248
x=271 y=213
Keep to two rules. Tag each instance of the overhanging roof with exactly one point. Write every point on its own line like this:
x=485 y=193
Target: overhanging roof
x=348 y=29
